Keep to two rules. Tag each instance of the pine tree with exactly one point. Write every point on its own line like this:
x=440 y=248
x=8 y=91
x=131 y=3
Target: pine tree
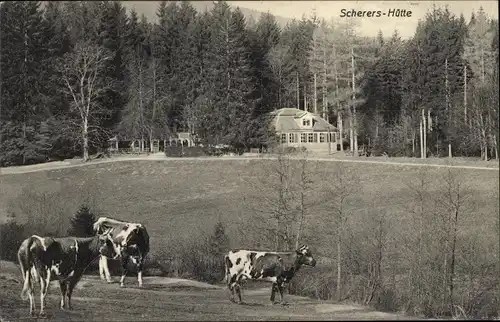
x=23 y=54
x=111 y=36
x=219 y=241
x=82 y=223
x=263 y=38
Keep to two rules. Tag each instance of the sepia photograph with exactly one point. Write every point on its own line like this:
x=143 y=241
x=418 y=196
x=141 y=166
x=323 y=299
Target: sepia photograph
x=249 y=160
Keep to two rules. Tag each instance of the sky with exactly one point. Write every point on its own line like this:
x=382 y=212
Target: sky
x=370 y=26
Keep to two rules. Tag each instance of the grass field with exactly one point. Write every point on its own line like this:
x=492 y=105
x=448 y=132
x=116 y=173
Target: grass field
x=178 y=200
x=166 y=299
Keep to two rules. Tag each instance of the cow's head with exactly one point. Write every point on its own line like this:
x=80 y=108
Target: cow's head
x=106 y=245
x=129 y=234
x=304 y=256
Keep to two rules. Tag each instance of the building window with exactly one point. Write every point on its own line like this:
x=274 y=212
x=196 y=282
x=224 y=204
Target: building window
x=306 y=122
x=322 y=138
x=283 y=137
x=303 y=137
x=315 y=137
x=291 y=138
x=310 y=137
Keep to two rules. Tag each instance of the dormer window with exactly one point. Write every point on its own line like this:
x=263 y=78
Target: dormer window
x=306 y=122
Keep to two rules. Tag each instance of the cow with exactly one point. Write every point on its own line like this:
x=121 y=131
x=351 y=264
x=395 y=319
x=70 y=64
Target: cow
x=133 y=241
x=64 y=259
x=275 y=267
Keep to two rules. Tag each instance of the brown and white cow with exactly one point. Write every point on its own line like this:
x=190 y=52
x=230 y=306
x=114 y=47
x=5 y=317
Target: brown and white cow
x=132 y=240
x=275 y=267
x=64 y=259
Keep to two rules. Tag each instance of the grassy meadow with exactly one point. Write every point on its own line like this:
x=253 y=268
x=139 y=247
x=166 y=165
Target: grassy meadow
x=181 y=200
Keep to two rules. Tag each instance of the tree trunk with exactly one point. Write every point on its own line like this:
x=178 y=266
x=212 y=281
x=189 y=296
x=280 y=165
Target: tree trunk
x=351 y=135
x=298 y=90
x=495 y=146
x=452 y=264
x=421 y=140
x=279 y=88
x=341 y=130
x=301 y=220
x=425 y=134
x=305 y=98
x=325 y=90
x=413 y=142
x=315 y=96
x=339 y=262
x=151 y=141
x=85 y=137
x=353 y=126
x=465 y=93
x=24 y=141
x=445 y=270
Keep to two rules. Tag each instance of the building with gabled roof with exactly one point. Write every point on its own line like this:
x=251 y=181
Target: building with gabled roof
x=298 y=128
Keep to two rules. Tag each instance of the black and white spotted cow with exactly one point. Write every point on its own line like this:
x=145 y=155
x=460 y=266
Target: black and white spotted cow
x=132 y=240
x=275 y=267
x=43 y=259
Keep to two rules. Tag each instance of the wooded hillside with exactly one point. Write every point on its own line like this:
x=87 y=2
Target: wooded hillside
x=74 y=74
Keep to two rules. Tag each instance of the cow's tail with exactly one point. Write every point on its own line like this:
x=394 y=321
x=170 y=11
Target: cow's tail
x=227 y=263
x=26 y=262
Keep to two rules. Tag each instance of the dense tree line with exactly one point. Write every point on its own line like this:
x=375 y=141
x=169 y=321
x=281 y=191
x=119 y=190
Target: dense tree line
x=76 y=73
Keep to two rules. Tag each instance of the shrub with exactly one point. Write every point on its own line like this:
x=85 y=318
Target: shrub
x=11 y=237
x=81 y=224
x=219 y=241
x=199 y=258
x=178 y=151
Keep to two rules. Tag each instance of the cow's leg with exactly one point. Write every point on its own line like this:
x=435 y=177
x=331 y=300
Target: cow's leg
x=230 y=285
x=124 y=270
x=71 y=286
x=44 y=287
x=238 y=291
x=31 y=292
x=281 y=286
x=101 y=268
x=63 y=286
x=273 y=292
x=104 y=269
x=139 y=265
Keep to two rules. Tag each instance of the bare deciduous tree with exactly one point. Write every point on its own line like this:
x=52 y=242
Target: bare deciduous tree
x=277 y=57
x=453 y=199
x=82 y=72
x=340 y=187
x=282 y=200
x=304 y=195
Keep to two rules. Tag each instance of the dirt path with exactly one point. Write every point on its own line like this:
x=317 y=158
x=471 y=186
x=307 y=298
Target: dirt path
x=161 y=157
x=172 y=299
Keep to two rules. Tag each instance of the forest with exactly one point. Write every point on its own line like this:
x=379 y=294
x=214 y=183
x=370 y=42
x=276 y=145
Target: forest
x=74 y=74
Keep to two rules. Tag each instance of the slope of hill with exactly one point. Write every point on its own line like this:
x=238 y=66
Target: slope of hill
x=178 y=197
x=148 y=8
